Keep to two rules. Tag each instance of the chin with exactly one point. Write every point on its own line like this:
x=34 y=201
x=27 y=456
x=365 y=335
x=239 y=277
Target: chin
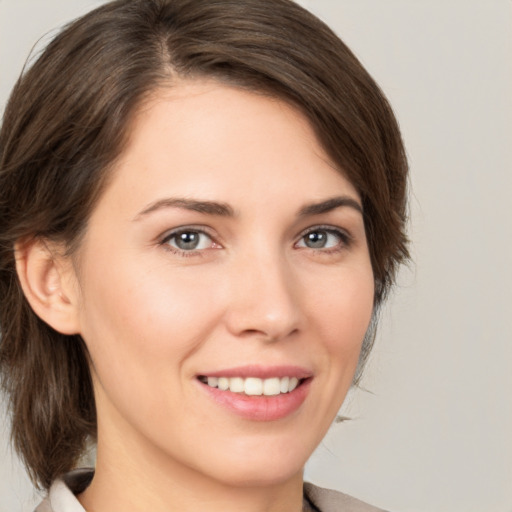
x=260 y=466
x=267 y=476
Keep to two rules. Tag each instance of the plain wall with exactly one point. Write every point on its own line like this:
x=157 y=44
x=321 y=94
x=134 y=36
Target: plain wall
x=433 y=433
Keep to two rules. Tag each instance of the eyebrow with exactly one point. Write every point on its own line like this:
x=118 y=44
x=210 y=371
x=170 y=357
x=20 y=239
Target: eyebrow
x=206 y=207
x=329 y=205
x=225 y=210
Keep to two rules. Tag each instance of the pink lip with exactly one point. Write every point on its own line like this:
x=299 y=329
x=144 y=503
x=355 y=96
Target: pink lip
x=261 y=372
x=261 y=408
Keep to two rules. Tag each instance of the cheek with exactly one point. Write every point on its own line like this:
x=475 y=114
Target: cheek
x=140 y=329
x=139 y=323
x=345 y=307
x=342 y=314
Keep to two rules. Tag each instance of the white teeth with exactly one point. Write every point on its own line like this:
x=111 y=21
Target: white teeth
x=253 y=386
x=236 y=385
x=271 y=387
x=223 y=383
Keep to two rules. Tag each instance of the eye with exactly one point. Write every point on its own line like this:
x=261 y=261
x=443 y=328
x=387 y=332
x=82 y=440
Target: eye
x=187 y=240
x=323 y=238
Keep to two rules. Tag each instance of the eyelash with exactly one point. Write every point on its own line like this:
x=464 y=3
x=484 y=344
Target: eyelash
x=345 y=240
x=180 y=252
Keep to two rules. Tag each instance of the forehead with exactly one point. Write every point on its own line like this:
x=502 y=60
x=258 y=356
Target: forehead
x=204 y=138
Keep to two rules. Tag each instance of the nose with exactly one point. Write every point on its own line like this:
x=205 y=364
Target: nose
x=264 y=298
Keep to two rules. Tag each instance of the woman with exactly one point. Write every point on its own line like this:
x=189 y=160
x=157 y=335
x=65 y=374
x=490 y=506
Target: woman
x=202 y=207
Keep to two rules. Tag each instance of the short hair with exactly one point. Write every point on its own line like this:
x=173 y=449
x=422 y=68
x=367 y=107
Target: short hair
x=67 y=121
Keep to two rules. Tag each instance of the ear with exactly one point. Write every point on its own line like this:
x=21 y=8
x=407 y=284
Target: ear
x=49 y=283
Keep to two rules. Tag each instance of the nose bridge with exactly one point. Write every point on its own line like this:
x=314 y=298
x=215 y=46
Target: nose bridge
x=264 y=294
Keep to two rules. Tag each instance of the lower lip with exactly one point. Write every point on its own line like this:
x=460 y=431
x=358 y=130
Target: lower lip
x=260 y=408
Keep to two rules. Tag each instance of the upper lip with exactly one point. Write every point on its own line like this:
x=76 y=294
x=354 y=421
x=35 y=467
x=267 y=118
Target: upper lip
x=262 y=372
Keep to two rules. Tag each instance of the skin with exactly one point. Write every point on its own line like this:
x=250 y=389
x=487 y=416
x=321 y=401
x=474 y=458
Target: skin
x=253 y=292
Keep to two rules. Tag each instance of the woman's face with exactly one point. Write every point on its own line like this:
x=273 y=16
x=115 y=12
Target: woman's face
x=226 y=251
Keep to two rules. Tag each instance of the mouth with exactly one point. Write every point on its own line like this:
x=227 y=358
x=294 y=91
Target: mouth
x=253 y=386
x=258 y=394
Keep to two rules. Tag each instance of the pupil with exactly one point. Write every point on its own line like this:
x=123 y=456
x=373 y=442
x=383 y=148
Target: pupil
x=187 y=240
x=316 y=240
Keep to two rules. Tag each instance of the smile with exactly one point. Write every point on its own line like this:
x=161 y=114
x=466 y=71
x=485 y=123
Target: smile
x=258 y=393
x=253 y=386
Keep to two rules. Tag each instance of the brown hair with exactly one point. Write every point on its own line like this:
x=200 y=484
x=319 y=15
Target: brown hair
x=66 y=123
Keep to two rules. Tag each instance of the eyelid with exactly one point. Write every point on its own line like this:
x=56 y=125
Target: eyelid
x=326 y=227
x=186 y=227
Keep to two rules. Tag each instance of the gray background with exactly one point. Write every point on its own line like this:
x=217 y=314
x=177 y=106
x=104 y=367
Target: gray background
x=434 y=431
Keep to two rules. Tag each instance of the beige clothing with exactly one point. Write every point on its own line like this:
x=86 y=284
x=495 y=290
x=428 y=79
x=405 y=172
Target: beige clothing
x=61 y=497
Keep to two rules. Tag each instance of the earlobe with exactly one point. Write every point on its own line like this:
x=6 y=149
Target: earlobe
x=49 y=284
